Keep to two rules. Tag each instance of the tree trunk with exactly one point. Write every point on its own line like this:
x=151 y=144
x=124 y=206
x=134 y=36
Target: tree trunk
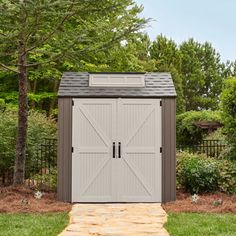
x=19 y=171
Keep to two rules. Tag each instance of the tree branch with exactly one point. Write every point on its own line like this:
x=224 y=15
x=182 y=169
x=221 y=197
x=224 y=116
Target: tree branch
x=3 y=34
x=96 y=49
x=8 y=68
x=47 y=37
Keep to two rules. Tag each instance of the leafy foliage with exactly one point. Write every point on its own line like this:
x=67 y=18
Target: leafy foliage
x=227 y=179
x=109 y=40
x=39 y=127
x=2 y=104
x=8 y=127
x=202 y=75
x=228 y=99
x=217 y=135
x=196 y=69
x=58 y=36
x=187 y=132
x=46 y=181
x=197 y=173
x=167 y=58
x=66 y=30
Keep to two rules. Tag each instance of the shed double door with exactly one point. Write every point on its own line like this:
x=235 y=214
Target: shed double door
x=116 y=150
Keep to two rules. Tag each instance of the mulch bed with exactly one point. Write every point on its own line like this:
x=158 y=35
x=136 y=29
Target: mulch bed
x=208 y=203
x=21 y=199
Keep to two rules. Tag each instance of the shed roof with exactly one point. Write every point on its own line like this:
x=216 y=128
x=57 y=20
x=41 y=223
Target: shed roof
x=76 y=84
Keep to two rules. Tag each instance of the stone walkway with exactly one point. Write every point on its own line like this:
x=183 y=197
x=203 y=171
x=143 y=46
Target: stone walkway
x=139 y=219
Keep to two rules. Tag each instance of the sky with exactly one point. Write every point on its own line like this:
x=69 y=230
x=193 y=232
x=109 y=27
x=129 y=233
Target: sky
x=204 y=20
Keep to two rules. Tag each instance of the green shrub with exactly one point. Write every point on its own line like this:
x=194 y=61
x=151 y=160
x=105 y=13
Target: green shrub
x=39 y=127
x=217 y=135
x=196 y=173
x=2 y=105
x=217 y=148
x=8 y=129
x=228 y=105
x=46 y=181
x=227 y=178
x=187 y=132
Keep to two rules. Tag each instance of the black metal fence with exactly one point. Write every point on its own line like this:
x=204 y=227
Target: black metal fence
x=211 y=148
x=40 y=167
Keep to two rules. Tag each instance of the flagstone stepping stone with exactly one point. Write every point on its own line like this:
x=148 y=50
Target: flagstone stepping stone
x=135 y=219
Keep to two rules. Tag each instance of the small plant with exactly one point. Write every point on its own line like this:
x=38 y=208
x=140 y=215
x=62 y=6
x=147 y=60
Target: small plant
x=24 y=202
x=38 y=194
x=217 y=202
x=46 y=181
x=195 y=198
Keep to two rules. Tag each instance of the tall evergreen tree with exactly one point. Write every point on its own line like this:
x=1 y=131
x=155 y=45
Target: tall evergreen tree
x=167 y=58
x=201 y=72
x=37 y=33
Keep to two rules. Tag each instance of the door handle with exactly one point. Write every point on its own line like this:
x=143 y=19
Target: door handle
x=114 y=150
x=119 y=150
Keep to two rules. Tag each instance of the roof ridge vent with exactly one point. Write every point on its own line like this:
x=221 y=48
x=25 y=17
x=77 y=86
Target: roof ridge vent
x=117 y=80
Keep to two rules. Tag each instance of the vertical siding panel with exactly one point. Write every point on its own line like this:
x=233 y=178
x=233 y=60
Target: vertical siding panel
x=166 y=150
x=64 y=149
x=173 y=156
x=168 y=155
x=60 y=151
x=164 y=181
x=69 y=150
x=173 y=149
x=65 y=153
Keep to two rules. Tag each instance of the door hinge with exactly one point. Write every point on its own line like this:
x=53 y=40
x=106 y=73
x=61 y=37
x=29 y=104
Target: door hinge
x=160 y=149
x=73 y=102
x=161 y=103
x=72 y=149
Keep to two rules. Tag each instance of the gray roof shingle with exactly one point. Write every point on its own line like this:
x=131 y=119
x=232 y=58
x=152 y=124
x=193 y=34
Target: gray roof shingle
x=75 y=84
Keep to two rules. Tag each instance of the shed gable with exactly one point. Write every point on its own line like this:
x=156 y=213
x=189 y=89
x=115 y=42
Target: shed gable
x=75 y=84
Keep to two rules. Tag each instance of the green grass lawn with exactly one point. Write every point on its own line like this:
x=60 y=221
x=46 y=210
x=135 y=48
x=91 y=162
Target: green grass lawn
x=195 y=224
x=32 y=224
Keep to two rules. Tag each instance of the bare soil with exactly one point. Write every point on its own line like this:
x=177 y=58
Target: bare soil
x=208 y=203
x=21 y=199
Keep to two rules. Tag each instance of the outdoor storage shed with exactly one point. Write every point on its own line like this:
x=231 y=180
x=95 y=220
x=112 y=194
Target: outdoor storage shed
x=116 y=137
